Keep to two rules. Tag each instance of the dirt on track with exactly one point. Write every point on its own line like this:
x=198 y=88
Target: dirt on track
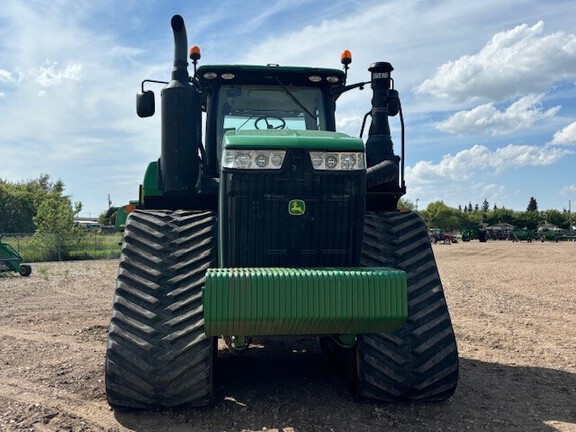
x=513 y=306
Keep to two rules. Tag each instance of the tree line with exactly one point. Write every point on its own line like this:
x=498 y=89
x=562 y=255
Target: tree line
x=39 y=206
x=451 y=219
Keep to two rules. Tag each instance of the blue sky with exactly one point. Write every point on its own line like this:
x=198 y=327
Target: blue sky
x=487 y=88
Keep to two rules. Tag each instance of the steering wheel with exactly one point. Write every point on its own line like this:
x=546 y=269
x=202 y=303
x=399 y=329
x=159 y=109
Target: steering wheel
x=268 y=125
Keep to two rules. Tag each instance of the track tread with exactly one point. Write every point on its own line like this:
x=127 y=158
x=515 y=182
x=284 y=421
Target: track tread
x=419 y=362
x=158 y=354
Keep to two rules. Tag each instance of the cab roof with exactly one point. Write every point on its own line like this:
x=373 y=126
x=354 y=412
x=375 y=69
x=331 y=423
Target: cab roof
x=210 y=75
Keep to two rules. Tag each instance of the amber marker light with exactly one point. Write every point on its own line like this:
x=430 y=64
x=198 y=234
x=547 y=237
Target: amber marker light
x=346 y=57
x=195 y=53
x=128 y=208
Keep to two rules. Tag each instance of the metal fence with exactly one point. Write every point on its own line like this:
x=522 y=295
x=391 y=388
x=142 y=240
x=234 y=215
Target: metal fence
x=101 y=244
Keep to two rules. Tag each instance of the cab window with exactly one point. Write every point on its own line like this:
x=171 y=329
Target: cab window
x=245 y=107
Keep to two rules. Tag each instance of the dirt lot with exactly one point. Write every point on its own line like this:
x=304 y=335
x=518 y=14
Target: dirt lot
x=513 y=306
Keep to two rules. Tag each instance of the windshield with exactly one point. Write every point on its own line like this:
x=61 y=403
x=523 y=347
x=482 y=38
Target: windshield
x=245 y=107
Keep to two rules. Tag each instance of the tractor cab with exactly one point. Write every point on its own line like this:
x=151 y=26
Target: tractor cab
x=270 y=98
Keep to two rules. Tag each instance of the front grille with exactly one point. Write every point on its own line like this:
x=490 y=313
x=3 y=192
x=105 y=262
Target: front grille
x=256 y=228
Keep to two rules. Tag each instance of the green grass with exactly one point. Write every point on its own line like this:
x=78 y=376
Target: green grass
x=91 y=246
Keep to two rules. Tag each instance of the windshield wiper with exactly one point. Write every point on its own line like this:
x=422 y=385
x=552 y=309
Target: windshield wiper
x=294 y=98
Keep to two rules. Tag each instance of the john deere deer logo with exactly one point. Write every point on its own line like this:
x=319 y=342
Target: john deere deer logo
x=296 y=207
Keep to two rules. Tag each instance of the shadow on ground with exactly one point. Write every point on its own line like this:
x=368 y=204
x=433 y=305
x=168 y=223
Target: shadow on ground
x=292 y=386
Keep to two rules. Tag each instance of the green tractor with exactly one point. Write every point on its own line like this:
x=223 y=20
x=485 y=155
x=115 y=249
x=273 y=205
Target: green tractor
x=11 y=261
x=271 y=223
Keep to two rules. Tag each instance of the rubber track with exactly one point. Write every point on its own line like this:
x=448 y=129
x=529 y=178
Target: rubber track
x=157 y=353
x=419 y=362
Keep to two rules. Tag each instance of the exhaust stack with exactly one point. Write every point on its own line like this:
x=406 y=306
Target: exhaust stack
x=180 y=71
x=179 y=169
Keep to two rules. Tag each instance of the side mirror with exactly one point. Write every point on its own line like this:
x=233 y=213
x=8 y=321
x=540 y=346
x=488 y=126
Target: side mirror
x=145 y=105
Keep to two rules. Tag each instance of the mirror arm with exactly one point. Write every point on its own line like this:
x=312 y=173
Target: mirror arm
x=152 y=81
x=337 y=92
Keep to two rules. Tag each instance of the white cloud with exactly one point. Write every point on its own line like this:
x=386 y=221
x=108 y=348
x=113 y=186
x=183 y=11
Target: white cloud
x=350 y=124
x=518 y=61
x=466 y=163
x=569 y=190
x=460 y=178
x=126 y=52
x=49 y=74
x=565 y=136
x=88 y=123
x=272 y=8
x=5 y=76
x=487 y=119
x=474 y=192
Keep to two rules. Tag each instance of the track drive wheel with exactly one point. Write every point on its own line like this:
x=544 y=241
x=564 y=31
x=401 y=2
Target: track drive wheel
x=158 y=354
x=419 y=362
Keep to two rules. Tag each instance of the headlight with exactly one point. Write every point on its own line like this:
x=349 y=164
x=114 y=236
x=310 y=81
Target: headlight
x=331 y=161
x=261 y=160
x=337 y=161
x=243 y=160
x=253 y=159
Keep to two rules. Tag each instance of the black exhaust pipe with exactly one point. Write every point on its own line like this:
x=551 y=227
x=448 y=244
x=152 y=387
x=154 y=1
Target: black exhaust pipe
x=180 y=71
x=181 y=122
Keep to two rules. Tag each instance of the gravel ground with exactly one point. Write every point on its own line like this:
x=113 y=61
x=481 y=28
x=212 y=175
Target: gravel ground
x=513 y=307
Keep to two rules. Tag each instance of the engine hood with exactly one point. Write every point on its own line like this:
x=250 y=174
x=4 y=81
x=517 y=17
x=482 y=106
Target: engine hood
x=286 y=138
